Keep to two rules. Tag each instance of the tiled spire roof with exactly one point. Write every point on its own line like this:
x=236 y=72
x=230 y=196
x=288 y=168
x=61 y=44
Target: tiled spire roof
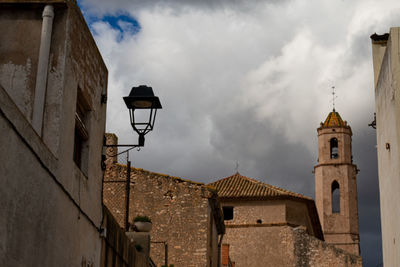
x=239 y=186
x=334 y=120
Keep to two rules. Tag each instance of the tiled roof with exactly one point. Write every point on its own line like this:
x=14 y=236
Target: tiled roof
x=239 y=186
x=334 y=120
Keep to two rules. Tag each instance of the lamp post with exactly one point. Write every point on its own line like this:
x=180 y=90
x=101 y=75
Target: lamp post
x=140 y=98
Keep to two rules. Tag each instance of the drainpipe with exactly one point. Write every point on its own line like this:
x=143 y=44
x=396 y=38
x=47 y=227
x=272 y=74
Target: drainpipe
x=219 y=249
x=43 y=63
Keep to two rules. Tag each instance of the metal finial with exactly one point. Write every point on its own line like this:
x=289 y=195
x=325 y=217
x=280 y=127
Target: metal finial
x=237 y=167
x=333 y=97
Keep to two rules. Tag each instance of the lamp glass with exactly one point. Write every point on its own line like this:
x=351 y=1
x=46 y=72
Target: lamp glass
x=142 y=104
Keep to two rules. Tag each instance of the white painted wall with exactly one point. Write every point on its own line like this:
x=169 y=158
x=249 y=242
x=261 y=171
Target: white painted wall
x=387 y=104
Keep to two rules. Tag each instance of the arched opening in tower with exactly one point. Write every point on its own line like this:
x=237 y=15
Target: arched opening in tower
x=334 y=148
x=335 y=197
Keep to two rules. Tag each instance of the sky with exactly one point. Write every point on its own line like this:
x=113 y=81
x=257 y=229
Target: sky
x=247 y=82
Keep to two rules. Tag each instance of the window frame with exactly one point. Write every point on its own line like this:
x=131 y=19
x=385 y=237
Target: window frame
x=81 y=132
x=335 y=197
x=334 y=148
x=231 y=212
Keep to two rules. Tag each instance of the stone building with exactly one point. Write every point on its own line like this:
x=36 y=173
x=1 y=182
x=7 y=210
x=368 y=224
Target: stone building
x=186 y=215
x=386 y=64
x=336 y=185
x=270 y=226
x=53 y=83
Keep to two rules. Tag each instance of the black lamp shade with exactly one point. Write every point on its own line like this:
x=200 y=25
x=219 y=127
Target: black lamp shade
x=142 y=97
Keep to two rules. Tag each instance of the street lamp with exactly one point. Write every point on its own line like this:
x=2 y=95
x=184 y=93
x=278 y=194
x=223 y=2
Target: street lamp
x=140 y=98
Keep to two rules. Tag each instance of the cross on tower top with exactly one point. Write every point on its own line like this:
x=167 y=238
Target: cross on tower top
x=237 y=167
x=333 y=97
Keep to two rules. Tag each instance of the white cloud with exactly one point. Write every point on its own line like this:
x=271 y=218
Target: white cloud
x=279 y=60
x=247 y=81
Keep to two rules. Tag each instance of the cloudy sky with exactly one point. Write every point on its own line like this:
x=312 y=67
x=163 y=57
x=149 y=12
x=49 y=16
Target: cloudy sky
x=247 y=82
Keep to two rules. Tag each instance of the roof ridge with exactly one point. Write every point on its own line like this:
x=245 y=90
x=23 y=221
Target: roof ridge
x=291 y=192
x=227 y=187
x=162 y=174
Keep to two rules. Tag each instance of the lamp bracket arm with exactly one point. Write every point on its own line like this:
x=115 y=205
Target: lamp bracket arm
x=133 y=146
x=127 y=150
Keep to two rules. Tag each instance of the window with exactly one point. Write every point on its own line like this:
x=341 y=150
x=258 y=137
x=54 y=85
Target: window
x=228 y=213
x=334 y=148
x=335 y=197
x=81 y=132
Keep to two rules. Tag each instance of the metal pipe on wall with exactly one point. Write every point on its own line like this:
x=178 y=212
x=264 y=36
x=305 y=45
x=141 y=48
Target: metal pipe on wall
x=127 y=194
x=43 y=63
x=219 y=249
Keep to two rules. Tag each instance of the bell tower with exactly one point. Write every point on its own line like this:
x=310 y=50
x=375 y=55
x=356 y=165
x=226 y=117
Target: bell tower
x=336 y=185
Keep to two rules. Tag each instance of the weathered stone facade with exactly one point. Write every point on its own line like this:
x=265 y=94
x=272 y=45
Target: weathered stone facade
x=275 y=245
x=270 y=226
x=51 y=208
x=259 y=213
x=185 y=214
x=386 y=51
x=52 y=211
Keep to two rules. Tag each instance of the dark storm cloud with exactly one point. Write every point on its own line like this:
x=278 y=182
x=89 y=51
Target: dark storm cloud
x=265 y=154
x=262 y=151
x=364 y=151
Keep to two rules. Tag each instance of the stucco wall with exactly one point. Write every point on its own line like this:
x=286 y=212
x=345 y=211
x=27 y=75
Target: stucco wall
x=18 y=63
x=39 y=224
x=52 y=209
x=387 y=106
x=179 y=210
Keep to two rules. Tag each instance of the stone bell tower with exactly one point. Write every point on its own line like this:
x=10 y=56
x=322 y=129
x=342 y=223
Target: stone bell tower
x=336 y=185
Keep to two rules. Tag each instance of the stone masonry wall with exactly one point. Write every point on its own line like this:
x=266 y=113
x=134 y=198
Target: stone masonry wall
x=312 y=252
x=283 y=246
x=179 y=210
x=270 y=212
x=258 y=246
